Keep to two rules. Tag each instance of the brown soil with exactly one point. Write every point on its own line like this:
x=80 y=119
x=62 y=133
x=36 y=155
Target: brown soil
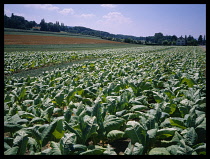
x=44 y=40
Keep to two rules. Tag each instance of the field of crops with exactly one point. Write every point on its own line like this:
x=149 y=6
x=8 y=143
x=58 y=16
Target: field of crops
x=28 y=40
x=130 y=101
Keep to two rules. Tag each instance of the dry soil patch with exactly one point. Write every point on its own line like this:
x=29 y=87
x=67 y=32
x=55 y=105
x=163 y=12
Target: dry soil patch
x=45 y=40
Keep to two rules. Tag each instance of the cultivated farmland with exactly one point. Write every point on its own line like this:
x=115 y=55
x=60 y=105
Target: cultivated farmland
x=130 y=101
x=45 y=40
x=28 y=40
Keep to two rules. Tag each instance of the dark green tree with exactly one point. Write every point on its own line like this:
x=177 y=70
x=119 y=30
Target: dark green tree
x=165 y=42
x=204 y=40
x=174 y=38
x=200 y=40
x=158 y=37
x=43 y=25
x=185 y=38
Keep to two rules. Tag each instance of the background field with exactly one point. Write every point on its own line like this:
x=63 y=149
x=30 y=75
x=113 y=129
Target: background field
x=50 y=41
x=46 y=33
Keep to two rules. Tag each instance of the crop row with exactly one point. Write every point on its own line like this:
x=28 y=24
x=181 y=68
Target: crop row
x=156 y=101
x=20 y=61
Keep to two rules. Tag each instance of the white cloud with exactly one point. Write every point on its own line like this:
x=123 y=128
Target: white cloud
x=42 y=6
x=86 y=15
x=66 y=11
x=115 y=22
x=116 y=17
x=108 y=5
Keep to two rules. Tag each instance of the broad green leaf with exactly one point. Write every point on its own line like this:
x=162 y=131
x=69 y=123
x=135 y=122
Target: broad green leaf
x=46 y=114
x=184 y=110
x=139 y=108
x=121 y=113
x=47 y=132
x=25 y=114
x=86 y=128
x=190 y=136
x=12 y=151
x=22 y=93
x=158 y=97
x=200 y=119
x=201 y=131
x=6 y=146
x=134 y=149
x=98 y=112
x=70 y=95
x=78 y=147
x=165 y=133
x=59 y=130
x=169 y=93
x=178 y=122
x=67 y=115
x=90 y=127
x=59 y=99
x=109 y=151
x=21 y=141
x=55 y=149
x=186 y=102
x=34 y=132
x=170 y=108
x=79 y=109
x=94 y=150
x=136 y=132
x=79 y=90
x=152 y=133
x=200 y=101
x=11 y=127
x=190 y=82
x=71 y=129
x=32 y=145
x=151 y=123
x=200 y=148
x=172 y=149
x=165 y=123
x=183 y=149
x=111 y=122
x=115 y=134
x=159 y=151
x=145 y=86
x=174 y=141
x=66 y=142
x=37 y=120
x=45 y=151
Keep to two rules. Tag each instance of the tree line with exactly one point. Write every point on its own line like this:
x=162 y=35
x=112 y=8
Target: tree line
x=19 y=22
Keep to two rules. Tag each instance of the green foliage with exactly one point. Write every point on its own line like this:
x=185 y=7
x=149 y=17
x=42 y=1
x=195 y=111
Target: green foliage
x=155 y=100
x=136 y=132
x=159 y=151
x=134 y=149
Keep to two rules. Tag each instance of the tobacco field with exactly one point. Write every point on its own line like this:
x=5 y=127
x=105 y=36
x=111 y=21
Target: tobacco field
x=151 y=100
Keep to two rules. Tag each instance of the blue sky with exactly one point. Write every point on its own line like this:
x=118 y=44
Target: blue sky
x=127 y=19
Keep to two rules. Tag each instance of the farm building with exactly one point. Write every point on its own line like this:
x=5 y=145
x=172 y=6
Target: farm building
x=36 y=28
x=180 y=41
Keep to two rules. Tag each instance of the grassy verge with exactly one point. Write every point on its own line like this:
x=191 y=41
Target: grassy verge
x=47 y=33
x=65 y=47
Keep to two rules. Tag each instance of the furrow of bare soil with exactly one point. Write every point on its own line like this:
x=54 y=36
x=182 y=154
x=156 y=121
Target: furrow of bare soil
x=45 y=40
